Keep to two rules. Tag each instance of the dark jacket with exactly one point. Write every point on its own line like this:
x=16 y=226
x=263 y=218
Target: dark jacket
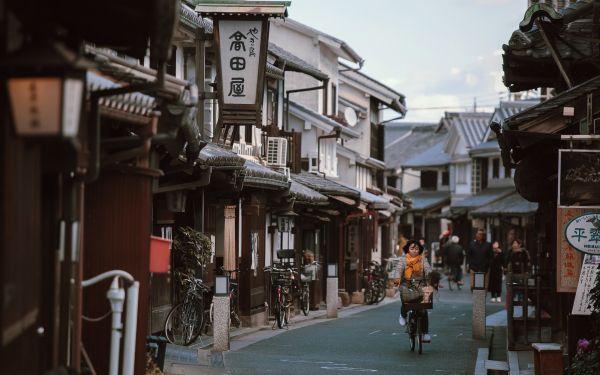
x=480 y=255
x=454 y=254
x=518 y=261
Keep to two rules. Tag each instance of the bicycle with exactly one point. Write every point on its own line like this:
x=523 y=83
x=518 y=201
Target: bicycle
x=282 y=283
x=304 y=289
x=186 y=319
x=415 y=321
x=375 y=280
x=233 y=294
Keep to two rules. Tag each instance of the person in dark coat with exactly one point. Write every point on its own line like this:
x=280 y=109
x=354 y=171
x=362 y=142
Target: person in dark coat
x=454 y=260
x=479 y=256
x=496 y=271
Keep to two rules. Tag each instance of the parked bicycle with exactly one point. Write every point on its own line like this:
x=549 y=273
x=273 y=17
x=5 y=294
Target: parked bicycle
x=186 y=319
x=282 y=278
x=233 y=294
x=307 y=274
x=375 y=283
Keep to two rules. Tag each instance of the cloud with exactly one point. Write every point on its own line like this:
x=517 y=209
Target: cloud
x=454 y=71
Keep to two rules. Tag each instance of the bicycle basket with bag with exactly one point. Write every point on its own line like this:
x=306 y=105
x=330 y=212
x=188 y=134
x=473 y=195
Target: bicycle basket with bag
x=411 y=293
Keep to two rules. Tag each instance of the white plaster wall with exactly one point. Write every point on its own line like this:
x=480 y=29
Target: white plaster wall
x=463 y=189
x=411 y=180
x=309 y=137
x=362 y=145
x=346 y=172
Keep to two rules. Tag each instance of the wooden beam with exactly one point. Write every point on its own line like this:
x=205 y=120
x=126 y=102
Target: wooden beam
x=554 y=53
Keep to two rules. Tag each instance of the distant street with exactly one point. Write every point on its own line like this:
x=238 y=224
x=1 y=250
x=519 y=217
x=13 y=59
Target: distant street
x=363 y=341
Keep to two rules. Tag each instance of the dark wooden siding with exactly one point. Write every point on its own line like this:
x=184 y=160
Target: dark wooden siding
x=20 y=254
x=252 y=296
x=116 y=236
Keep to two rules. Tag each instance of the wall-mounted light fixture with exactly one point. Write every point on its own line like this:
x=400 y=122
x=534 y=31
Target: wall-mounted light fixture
x=46 y=86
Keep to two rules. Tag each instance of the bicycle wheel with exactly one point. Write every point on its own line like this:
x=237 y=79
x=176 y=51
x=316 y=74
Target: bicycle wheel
x=419 y=335
x=287 y=304
x=411 y=331
x=305 y=300
x=380 y=291
x=234 y=315
x=184 y=323
x=368 y=294
x=279 y=310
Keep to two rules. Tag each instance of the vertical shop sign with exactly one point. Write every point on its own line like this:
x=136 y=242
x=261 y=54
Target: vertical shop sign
x=568 y=260
x=587 y=280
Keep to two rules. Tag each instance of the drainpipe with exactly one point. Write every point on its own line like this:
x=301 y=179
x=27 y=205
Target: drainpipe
x=116 y=296
x=287 y=100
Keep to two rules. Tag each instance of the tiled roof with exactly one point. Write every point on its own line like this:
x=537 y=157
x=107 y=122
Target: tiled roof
x=215 y=156
x=325 y=186
x=506 y=110
x=294 y=63
x=321 y=121
x=375 y=202
x=484 y=197
x=550 y=105
x=426 y=199
x=134 y=102
x=257 y=175
x=433 y=156
x=470 y=125
x=410 y=143
x=527 y=61
x=510 y=205
x=306 y=195
x=489 y=146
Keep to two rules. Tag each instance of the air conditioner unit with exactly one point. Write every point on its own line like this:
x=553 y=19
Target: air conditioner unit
x=277 y=152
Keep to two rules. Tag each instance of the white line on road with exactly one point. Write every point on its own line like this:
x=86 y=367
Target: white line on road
x=375 y=332
x=349 y=369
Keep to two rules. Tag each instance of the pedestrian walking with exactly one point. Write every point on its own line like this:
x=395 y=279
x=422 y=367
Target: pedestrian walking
x=454 y=259
x=496 y=272
x=479 y=256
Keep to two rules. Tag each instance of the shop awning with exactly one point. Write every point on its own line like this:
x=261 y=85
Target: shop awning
x=511 y=205
x=428 y=199
x=484 y=197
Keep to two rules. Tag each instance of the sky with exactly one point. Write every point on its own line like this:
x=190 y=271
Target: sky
x=438 y=53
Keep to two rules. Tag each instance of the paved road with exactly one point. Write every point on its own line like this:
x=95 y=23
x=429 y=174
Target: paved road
x=363 y=341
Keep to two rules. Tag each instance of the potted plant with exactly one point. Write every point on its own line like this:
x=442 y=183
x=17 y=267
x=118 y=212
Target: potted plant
x=192 y=251
x=587 y=359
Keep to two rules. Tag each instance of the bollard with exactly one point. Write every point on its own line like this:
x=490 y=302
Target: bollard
x=479 y=294
x=221 y=323
x=332 y=297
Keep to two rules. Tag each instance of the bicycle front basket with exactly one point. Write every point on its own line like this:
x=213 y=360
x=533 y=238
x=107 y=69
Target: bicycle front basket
x=411 y=293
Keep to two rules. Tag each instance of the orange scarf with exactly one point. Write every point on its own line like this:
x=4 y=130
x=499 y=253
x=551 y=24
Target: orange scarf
x=413 y=265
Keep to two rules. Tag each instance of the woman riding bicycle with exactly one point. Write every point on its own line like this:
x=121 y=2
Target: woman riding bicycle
x=413 y=266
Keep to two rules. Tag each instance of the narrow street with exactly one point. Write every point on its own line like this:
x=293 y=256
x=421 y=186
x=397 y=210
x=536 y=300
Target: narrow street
x=363 y=340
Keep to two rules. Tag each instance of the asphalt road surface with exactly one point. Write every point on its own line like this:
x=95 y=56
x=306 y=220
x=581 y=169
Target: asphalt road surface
x=363 y=340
